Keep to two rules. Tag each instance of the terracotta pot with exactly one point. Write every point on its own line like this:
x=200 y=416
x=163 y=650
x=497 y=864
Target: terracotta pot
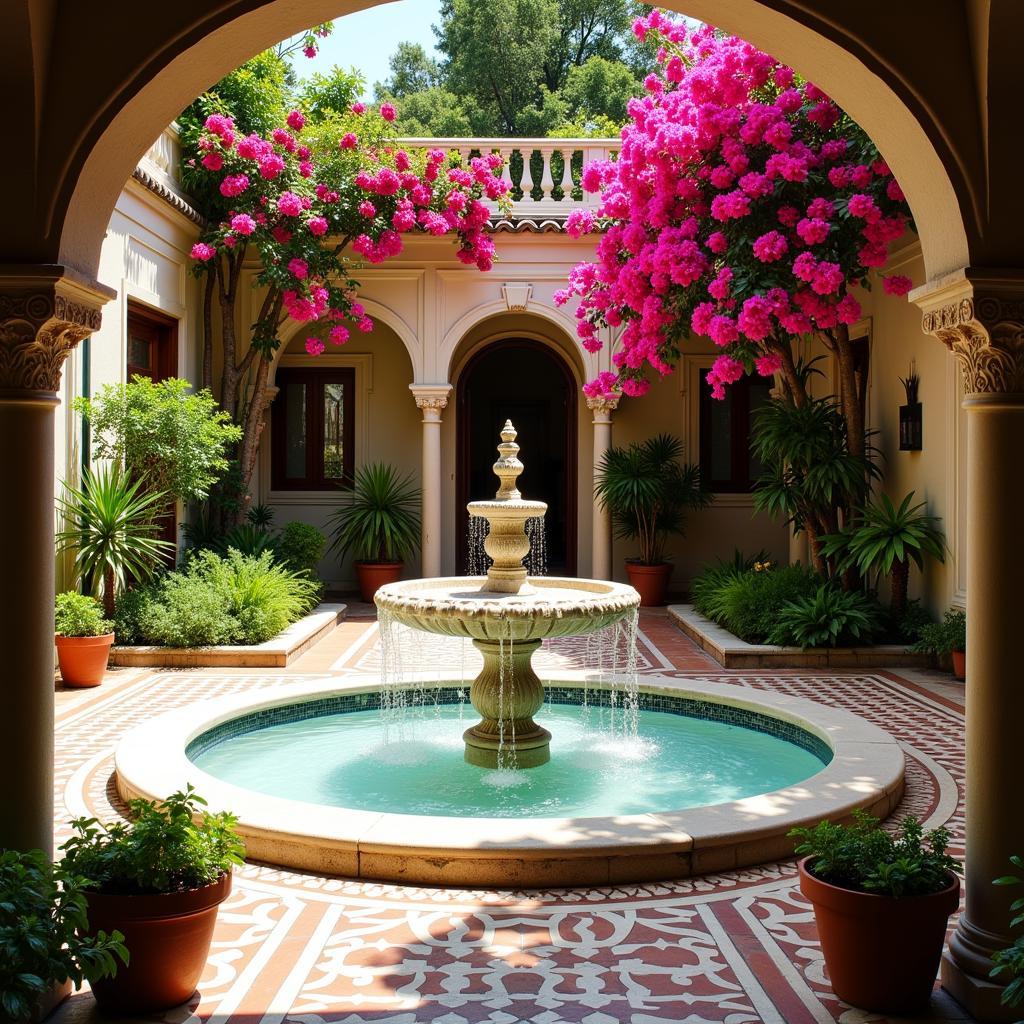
x=882 y=953
x=372 y=575
x=650 y=581
x=168 y=939
x=83 y=659
x=959 y=659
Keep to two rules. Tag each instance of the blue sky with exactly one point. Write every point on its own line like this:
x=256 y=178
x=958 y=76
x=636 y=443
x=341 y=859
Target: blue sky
x=367 y=39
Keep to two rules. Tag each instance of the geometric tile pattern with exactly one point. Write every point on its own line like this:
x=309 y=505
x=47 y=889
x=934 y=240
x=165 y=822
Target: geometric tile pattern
x=735 y=947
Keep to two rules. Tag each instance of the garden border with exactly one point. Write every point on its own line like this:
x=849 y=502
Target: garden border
x=732 y=652
x=278 y=652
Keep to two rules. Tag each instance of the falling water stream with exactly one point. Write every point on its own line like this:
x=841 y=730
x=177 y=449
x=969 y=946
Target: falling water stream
x=536 y=562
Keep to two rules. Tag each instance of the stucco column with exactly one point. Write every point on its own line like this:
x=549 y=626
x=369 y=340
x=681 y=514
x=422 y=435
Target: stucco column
x=432 y=400
x=982 y=323
x=42 y=317
x=601 y=557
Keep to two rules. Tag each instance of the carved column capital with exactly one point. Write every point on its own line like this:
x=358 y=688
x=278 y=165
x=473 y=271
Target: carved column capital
x=44 y=314
x=431 y=398
x=602 y=407
x=979 y=317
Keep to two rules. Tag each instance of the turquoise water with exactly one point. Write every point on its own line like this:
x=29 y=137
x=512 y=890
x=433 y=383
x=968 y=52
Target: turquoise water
x=354 y=760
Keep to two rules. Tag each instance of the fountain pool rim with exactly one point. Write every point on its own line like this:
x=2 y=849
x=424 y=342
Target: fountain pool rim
x=866 y=771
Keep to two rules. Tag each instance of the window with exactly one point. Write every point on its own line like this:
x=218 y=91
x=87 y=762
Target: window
x=312 y=422
x=727 y=464
x=152 y=345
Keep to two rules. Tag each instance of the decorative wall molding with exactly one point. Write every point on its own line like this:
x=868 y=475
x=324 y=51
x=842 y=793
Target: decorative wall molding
x=517 y=295
x=980 y=319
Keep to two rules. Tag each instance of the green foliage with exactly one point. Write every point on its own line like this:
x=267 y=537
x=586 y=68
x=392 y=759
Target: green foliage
x=246 y=539
x=234 y=599
x=884 y=539
x=908 y=627
x=381 y=521
x=112 y=530
x=435 y=113
x=170 y=846
x=829 y=617
x=1009 y=963
x=413 y=70
x=174 y=439
x=940 y=638
x=705 y=588
x=751 y=603
x=78 y=615
x=261 y=516
x=300 y=547
x=648 y=490
x=866 y=858
x=42 y=925
x=599 y=88
x=325 y=97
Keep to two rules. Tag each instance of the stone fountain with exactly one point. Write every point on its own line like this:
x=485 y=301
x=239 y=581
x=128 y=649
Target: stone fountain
x=507 y=616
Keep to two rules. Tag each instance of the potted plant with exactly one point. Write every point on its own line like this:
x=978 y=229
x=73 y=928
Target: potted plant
x=114 y=530
x=648 y=490
x=881 y=903
x=1008 y=968
x=380 y=525
x=45 y=940
x=948 y=637
x=159 y=880
x=83 y=638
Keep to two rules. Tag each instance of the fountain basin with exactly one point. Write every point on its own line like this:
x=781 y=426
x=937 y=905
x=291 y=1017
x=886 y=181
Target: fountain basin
x=865 y=770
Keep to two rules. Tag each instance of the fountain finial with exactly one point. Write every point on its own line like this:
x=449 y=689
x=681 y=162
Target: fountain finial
x=508 y=467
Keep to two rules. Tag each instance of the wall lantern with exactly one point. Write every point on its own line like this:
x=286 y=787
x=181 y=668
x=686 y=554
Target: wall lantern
x=911 y=431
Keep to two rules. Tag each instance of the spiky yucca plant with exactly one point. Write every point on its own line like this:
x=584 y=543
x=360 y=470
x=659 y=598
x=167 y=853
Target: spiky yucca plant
x=381 y=523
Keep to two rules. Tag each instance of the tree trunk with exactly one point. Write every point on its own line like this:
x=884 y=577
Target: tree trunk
x=252 y=427
x=899 y=580
x=211 y=281
x=849 y=393
x=108 y=594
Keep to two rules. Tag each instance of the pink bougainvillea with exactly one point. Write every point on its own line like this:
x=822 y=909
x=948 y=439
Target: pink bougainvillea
x=745 y=207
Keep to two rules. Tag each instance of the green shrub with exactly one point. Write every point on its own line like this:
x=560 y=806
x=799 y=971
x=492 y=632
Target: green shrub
x=183 y=610
x=705 y=588
x=132 y=607
x=246 y=539
x=829 y=617
x=1009 y=963
x=940 y=638
x=164 y=848
x=78 y=615
x=865 y=858
x=42 y=933
x=749 y=604
x=300 y=547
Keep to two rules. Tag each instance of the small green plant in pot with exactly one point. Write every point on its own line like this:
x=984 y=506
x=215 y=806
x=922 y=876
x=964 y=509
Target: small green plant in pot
x=84 y=638
x=881 y=903
x=648 y=490
x=158 y=880
x=380 y=526
x=946 y=639
x=45 y=938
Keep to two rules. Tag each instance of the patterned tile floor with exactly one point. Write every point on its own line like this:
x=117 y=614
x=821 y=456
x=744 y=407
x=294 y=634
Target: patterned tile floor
x=730 y=948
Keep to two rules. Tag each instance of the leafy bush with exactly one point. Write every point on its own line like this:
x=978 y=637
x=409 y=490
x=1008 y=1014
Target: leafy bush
x=300 y=547
x=236 y=599
x=247 y=539
x=1009 y=962
x=830 y=617
x=78 y=615
x=704 y=589
x=381 y=521
x=939 y=638
x=164 y=849
x=750 y=604
x=42 y=926
x=865 y=858
x=910 y=625
x=162 y=432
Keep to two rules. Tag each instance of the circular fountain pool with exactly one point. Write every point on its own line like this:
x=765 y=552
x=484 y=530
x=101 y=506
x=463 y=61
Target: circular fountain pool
x=717 y=777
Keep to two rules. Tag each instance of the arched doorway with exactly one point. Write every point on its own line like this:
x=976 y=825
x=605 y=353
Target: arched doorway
x=526 y=381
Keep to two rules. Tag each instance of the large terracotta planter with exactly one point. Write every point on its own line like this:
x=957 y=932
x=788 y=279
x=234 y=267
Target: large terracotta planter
x=882 y=953
x=83 y=659
x=649 y=581
x=959 y=659
x=372 y=575
x=168 y=939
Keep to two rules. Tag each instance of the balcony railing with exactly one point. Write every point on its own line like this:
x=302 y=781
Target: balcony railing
x=544 y=174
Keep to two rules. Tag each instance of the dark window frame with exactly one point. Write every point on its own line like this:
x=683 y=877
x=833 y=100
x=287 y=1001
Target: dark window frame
x=315 y=379
x=740 y=480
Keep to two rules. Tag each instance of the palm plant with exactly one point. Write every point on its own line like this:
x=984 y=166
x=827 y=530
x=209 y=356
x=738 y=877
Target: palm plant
x=648 y=490
x=884 y=538
x=114 y=532
x=381 y=523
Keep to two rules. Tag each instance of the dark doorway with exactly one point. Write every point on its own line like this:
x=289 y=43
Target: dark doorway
x=524 y=381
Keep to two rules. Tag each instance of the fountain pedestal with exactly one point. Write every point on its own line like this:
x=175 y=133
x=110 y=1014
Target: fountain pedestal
x=507 y=693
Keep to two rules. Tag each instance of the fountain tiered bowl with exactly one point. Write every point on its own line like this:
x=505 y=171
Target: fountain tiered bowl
x=507 y=616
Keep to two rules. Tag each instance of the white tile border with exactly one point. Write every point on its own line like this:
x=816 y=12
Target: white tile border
x=866 y=771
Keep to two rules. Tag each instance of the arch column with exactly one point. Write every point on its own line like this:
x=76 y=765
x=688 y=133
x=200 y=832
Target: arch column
x=601 y=557
x=432 y=399
x=43 y=316
x=980 y=318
